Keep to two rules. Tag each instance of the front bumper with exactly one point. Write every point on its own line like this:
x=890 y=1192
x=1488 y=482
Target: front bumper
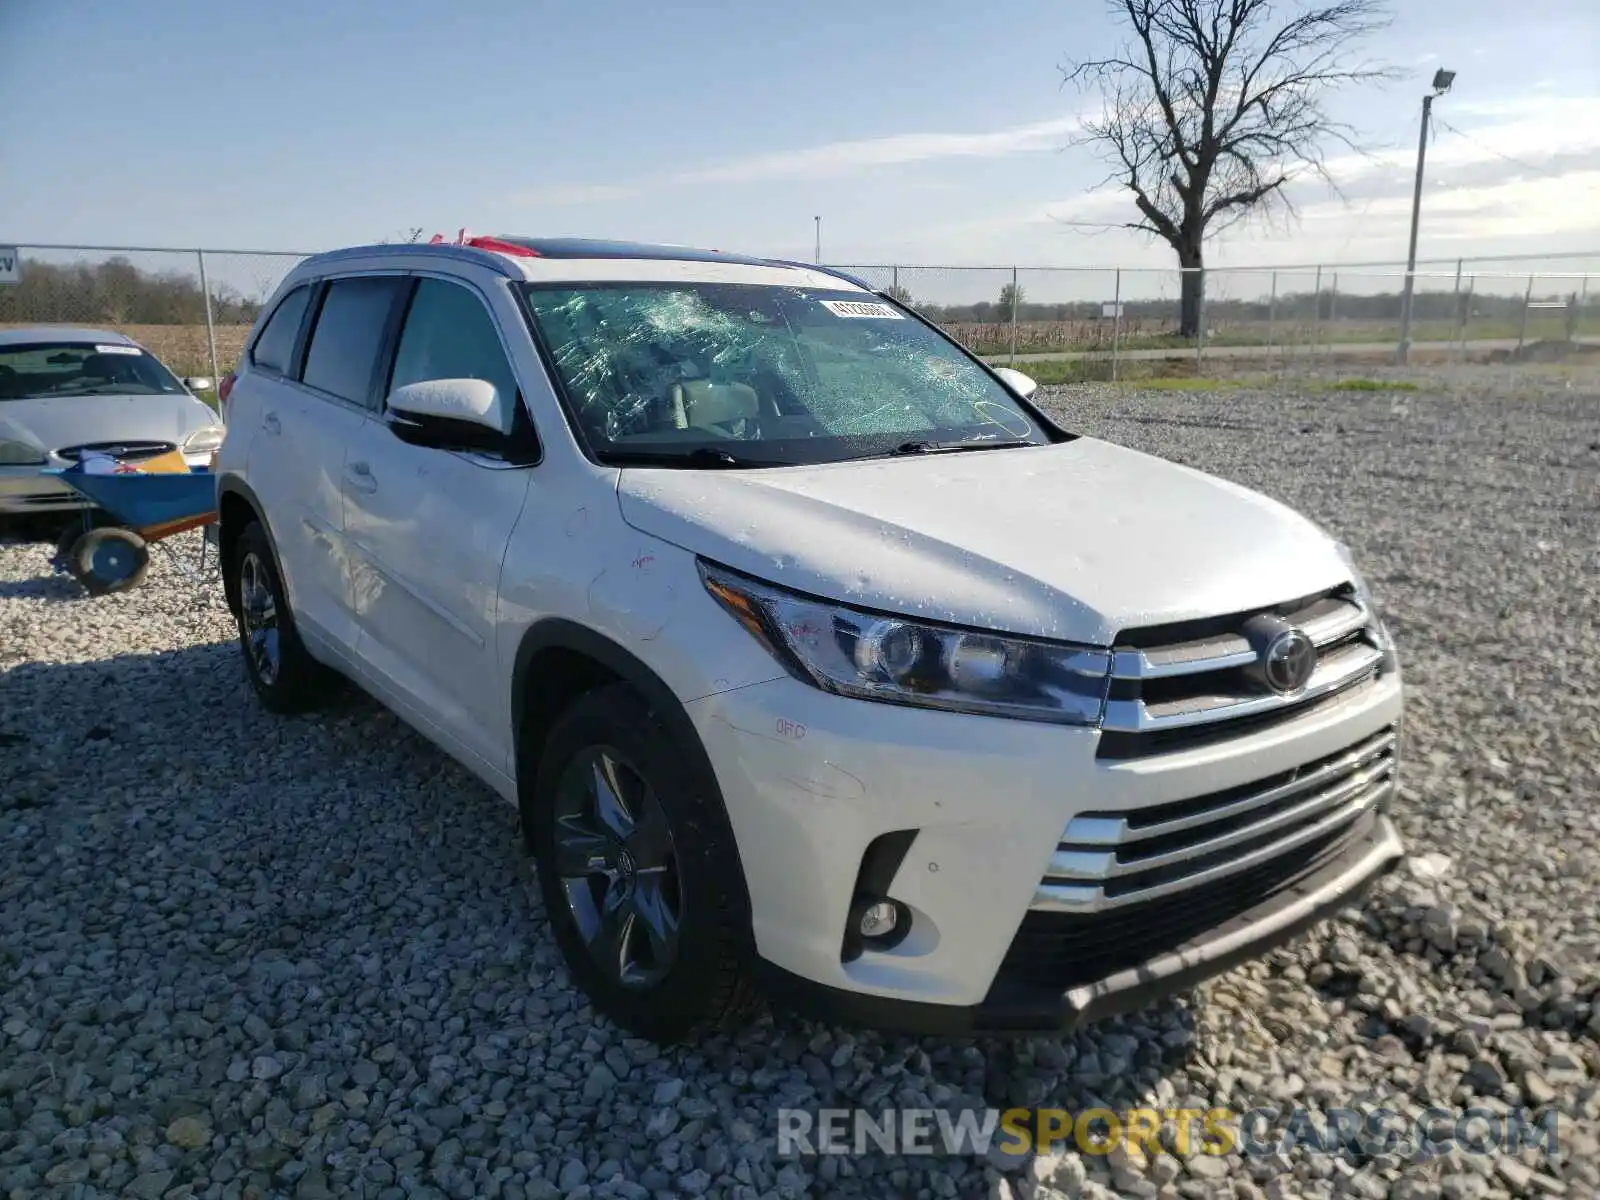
x=1373 y=851
x=977 y=807
x=25 y=491
x=39 y=490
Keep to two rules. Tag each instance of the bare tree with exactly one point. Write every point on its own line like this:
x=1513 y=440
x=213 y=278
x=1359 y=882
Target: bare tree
x=1213 y=106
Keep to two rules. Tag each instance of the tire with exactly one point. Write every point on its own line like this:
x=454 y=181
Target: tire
x=285 y=677
x=703 y=981
x=79 y=525
x=109 y=559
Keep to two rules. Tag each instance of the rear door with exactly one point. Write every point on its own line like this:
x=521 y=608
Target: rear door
x=427 y=532
x=306 y=430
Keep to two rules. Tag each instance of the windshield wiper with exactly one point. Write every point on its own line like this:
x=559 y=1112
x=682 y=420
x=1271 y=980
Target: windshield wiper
x=701 y=457
x=905 y=448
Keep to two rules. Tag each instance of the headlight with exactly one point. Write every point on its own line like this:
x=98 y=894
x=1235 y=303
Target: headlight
x=877 y=656
x=202 y=441
x=20 y=454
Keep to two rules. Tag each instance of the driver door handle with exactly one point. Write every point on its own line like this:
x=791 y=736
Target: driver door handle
x=359 y=477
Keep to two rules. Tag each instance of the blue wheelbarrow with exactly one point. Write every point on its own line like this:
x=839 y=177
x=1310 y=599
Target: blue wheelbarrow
x=108 y=549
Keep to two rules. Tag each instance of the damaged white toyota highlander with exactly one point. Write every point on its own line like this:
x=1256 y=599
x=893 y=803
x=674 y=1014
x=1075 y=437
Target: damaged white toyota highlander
x=817 y=659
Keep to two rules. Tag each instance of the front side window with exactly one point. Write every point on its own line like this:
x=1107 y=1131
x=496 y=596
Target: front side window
x=343 y=354
x=48 y=370
x=449 y=335
x=764 y=374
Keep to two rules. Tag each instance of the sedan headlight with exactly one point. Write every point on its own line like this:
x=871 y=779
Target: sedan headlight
x=20 y=454
x=879 y=656
x=203 y=441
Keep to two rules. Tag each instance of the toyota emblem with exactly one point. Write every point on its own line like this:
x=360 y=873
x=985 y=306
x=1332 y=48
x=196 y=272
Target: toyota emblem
x=1285 y=657
x=1289 y=660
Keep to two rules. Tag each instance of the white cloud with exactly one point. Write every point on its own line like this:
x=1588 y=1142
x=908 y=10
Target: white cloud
x=832 y=159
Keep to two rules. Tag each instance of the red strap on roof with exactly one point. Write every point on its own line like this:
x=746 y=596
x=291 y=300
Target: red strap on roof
x=487 y=243
x=500 y=247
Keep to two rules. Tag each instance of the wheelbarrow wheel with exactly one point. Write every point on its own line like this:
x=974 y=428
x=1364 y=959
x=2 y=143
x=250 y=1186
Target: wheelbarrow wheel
x=78 y=526
x=109 y=559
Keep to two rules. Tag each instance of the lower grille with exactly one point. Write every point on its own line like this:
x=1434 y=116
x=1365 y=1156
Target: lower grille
x=126 y=451
x=1110 y=859
x=1056 y=950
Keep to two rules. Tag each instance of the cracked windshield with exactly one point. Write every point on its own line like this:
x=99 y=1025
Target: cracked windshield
x=761 y=375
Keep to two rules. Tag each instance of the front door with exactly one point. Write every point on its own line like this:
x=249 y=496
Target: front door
x=427 y=531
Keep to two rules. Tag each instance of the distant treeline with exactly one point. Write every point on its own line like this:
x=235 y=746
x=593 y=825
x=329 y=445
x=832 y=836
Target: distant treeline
x=115 y=292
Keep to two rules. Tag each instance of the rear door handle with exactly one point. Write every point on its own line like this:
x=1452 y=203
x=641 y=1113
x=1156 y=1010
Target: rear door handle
x=270 y=423
x=359 y=476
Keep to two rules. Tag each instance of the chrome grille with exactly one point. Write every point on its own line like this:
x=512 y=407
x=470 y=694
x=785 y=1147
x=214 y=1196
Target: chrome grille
x=1106 y=860
x=126 y=451
x=1184 y=685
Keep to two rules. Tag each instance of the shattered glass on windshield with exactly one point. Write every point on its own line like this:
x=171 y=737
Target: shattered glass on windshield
x=782 y=373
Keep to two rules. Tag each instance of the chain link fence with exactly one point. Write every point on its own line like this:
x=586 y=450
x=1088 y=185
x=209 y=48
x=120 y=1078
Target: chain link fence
x=1129 y=322
x=191 y=308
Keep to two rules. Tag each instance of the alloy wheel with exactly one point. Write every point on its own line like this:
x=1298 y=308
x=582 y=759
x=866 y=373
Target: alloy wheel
x=618 y=867
x=258 y=613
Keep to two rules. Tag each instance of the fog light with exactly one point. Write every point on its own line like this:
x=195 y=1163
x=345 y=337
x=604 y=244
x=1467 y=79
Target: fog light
x=879 y=919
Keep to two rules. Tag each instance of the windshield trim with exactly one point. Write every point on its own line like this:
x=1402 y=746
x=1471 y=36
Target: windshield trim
x=600 y=456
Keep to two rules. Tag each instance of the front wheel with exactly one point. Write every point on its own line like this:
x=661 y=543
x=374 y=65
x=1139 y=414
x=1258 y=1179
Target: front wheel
x=637 y=870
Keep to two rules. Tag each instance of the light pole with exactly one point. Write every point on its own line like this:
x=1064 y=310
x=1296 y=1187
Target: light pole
x=818 y=220
x=1441 y=84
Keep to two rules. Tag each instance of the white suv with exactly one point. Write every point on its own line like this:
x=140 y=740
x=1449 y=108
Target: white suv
x=813 y=655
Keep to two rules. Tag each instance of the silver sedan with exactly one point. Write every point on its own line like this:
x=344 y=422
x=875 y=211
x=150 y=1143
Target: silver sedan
x=65 y=392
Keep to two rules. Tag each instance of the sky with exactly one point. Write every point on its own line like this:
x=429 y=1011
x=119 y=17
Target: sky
x=919 y=133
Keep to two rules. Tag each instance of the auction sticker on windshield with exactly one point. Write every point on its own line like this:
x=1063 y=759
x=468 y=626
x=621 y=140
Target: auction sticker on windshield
x=118 y=350
x=10 y=265
x=856 y=308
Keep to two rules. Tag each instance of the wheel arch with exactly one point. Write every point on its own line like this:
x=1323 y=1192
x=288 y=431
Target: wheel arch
x=237 y=506
x=558 y=661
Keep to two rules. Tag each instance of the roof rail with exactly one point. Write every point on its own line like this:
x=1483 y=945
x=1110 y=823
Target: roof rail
x=481 y=255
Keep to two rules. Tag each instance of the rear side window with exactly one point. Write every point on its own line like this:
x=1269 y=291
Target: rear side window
x=450 y=335
x=276 y=343
x=349 y=331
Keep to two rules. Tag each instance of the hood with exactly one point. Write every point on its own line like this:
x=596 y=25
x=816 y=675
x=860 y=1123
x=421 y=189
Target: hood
x=58 y=421
x=1073 y=541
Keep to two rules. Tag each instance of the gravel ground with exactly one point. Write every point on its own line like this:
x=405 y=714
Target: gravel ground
x=241 y=956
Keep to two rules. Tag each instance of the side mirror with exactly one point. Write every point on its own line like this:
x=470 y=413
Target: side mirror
x=1022 y=385
x=199 y=383
x=464 y=414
